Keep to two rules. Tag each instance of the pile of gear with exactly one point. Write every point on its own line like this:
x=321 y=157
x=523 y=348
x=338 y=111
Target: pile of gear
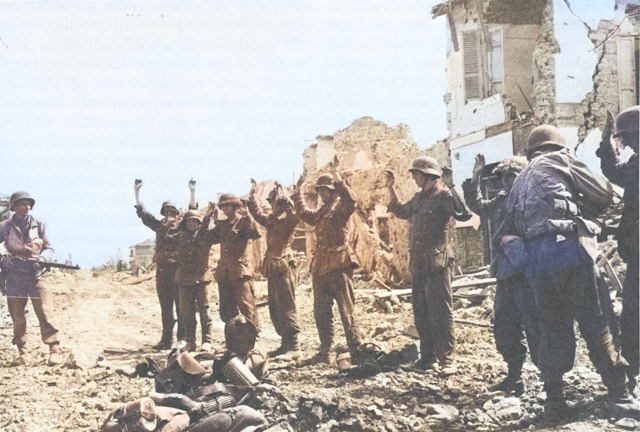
x=198 y=393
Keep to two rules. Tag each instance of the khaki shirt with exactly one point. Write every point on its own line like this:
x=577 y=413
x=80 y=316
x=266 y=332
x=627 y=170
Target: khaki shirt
x=235 y=238
x=280 y=230
x=332 y=251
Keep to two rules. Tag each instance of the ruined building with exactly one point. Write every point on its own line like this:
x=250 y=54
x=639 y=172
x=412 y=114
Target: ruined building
x=503 y=79
x=367 y=148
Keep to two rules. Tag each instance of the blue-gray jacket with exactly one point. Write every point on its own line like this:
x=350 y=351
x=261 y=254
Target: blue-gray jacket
x=554 y=194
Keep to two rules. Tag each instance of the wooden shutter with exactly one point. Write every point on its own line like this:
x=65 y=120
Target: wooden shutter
x=471 y=53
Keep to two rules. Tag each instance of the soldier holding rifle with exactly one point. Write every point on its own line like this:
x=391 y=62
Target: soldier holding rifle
x=25 y=239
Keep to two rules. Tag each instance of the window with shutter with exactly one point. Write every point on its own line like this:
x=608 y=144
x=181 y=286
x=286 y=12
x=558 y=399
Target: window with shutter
x=472 y=71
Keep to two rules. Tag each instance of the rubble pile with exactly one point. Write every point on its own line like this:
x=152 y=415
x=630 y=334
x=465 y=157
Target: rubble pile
x=110 y=322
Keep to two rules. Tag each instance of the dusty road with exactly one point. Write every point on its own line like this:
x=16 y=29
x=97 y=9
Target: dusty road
x=110 y=321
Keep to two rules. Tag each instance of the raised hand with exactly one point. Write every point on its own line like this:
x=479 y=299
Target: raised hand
x=254 y=187
x=478 y=167
x=137 y=184
x=390 y=178
x=192 y=185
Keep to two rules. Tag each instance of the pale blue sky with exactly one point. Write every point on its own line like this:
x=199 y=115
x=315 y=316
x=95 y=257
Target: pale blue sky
x=94 y=94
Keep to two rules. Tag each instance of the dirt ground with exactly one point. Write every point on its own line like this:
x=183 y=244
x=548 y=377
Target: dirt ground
x=110 y=321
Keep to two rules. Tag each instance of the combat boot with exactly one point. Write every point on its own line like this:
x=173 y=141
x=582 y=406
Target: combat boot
x=288 y=344
x=19 y=361
x=555 y=406
x=622 y=404
x=323 y=355
x=512 y=384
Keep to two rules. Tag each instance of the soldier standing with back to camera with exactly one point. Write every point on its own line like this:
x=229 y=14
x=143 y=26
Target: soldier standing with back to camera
x=280 y=223
x=550 y=206
x=431 y=212
x=165 y=257
x=25 y=240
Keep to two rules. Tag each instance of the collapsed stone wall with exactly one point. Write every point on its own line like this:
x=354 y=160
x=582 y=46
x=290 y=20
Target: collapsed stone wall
x=544 y=83
x=366 y=149
x=607 y=94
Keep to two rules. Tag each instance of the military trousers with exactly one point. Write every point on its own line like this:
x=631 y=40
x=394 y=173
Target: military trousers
x=167 y=290
x=432 y=313
x=194 y=299
x=335 y=285
x=281 y=288
x=564 y=283
x=629 y=319
x=514 y=327
x=41 y=306
x=238 y=296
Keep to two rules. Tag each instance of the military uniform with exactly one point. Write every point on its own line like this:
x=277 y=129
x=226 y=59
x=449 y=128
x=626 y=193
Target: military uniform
x=431 y=215
x=194 y=279
x=332 y=265
x=624 y=173
x=281 y=282
x=512 y=304
x=544 y=208
x=235 y=269
x=165 y=258
x=22 y=277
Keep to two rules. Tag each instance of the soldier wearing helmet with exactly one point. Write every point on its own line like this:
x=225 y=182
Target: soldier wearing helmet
x=620 y=165
x=431 y=212
x=165 y=257
x=549 y=208
x=332 y=263
x=280 y=223
x=234 y=273
x=193 y=276
x=511 y=308
x=26 y=241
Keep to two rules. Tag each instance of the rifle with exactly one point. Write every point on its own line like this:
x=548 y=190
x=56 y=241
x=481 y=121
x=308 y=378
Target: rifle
x=47 y=265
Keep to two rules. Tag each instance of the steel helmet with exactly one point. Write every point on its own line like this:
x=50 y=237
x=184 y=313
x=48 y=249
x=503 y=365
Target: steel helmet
x=229 y=199
x=240 y=335
x=427 y=165
x=544 y=135
x=627 y=121
x=20 y=196
x=167 y=204
x=192 y=214
x=325 y=180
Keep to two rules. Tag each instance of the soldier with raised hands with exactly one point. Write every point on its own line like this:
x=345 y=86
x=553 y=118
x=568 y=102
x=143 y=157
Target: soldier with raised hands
x=332 y=262
x=165 y=257
x=280 y=223
x=431 y=212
